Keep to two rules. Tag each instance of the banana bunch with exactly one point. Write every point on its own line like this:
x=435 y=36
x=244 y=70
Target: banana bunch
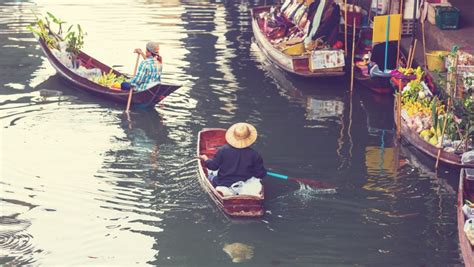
x=416 y=108
x=406 y=71
x=109 y=79
x=419 y=73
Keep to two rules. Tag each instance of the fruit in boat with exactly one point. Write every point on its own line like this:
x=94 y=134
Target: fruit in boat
x=426 y=133
x=433 y=140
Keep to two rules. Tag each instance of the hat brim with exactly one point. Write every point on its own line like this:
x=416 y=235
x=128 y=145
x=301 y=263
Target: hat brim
x=241 y=143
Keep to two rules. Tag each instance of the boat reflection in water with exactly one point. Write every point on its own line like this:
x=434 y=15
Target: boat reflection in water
x=320 y=110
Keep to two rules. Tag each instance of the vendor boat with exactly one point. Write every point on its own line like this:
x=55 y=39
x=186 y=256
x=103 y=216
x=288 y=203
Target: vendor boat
x=465 y=193
x=369 y=70
x=283 y=44
x=209 y=140
x=412 y=137
x=143 y=99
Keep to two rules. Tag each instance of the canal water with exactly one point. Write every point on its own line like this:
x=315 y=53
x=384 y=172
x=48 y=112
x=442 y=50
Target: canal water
x=83 y=185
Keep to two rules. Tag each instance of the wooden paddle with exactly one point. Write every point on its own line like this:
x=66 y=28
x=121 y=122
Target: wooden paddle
x=131 y=89
x=310 y=182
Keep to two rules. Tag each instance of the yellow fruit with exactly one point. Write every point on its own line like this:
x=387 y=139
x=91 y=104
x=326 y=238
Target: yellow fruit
x=433 y=140
x=116 y=85
x=426 y=134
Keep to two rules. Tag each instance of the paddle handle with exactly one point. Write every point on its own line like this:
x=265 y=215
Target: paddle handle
x=129 y=101
x=277 y=175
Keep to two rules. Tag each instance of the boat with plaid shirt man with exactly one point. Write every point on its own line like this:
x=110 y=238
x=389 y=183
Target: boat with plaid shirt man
x=149 y=71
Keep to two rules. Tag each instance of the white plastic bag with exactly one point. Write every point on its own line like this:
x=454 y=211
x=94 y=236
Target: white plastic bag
x=252 y=187
x=237 y=187
x=469 y=230
x=225 y=191
x=468 y=211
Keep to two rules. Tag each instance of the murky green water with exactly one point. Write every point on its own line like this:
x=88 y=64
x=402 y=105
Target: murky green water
x=82 y=185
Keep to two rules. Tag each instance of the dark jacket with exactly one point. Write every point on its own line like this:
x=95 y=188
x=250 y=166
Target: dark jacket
x=236 y=164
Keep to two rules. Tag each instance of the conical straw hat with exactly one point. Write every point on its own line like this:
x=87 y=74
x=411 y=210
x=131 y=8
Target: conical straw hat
x=241 y=135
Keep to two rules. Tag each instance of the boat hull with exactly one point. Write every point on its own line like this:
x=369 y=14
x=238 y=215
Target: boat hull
x=380 y=85
x=236 y=206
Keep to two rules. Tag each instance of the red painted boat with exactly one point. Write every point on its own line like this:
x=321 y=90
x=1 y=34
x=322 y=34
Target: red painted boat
x=299 y=65
x=465 y=192
x=209 y=140
x=143 y=99
x=414 y=138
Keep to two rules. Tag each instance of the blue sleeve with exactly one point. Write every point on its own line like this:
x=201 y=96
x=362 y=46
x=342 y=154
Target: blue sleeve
x=215 y=163
x=259 y=169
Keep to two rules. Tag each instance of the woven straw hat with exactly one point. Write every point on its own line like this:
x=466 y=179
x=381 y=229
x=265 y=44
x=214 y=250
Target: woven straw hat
x=241 y=135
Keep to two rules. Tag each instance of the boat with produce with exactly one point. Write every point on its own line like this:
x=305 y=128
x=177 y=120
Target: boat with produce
x=87 y=73
x=298 y=40
x=465 y=213
x=209 y=140
x=426 y=124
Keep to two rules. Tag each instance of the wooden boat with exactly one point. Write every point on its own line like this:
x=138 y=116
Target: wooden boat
x=465 y=192
x=377 y=81
x=239 y=205
x=299 y=65
x=414 y=138
x=142 y=99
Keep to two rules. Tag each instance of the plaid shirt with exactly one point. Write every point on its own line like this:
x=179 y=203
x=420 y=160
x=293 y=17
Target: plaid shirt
x=148 y=72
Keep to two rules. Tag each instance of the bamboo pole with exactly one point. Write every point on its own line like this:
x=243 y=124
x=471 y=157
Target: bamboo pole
x=413 y=53
x=424 y=41
x=353 y=52
x=452 y=75
x=409 y=57
x=345 y=27
x=400 y=37
x=399 y=109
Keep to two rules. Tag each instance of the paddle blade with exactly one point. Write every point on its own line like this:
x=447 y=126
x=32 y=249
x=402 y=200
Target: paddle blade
x=313 y=183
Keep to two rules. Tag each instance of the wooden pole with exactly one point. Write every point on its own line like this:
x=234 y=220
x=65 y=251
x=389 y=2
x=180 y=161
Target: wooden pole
x=353 y=52
x=413 y=53
x=442 y=137
x=131 y=89
x=409 y=57
x=345 y=27
x=424 y=42
x=401 y=28
x=399 y=109
x=452 y=75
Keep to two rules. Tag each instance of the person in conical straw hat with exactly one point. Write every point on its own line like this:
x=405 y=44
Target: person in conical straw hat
x=236 y=161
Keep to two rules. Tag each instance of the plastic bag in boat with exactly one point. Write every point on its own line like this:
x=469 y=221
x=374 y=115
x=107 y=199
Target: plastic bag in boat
x=252 y=187
x=468 y=211
x=225 y=191
x=468 y=157
x=469 y=230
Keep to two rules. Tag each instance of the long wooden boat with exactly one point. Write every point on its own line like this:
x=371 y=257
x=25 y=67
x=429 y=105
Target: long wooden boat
x=299 y=65
x=413 y=138
x=466 y=191
x=209 y=140
x=142 y=99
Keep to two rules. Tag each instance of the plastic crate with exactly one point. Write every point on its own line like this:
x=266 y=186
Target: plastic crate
x=447 y=17
x=432 y=11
